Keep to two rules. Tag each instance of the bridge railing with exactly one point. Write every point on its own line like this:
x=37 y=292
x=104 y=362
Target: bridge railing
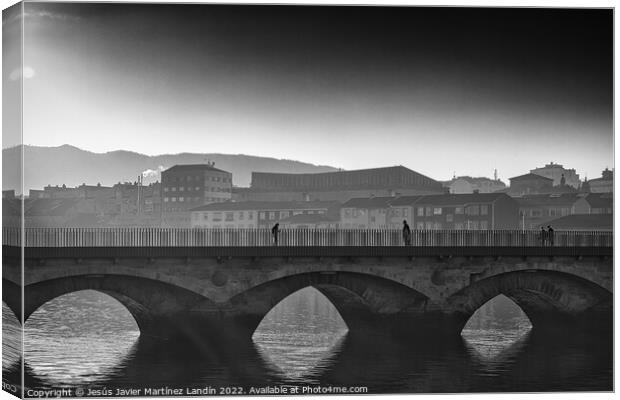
x=198 y=237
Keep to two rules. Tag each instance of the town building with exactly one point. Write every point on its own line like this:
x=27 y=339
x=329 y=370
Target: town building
x=467 y=184
x=447 y=211
x=584 y=222
x=402 y=209
x=11 y=212
x=557 y=172
x=124 y=204
x=594 y=203
x=477 y=211
x=261 y=214
x=57 y=213
x=537 y=210
x=529 y=184
x=339 y=185
x=311 y=221
x=83 y=191
x=365 y=213
x=133 y=204
x=604 y=184
x=185 y=187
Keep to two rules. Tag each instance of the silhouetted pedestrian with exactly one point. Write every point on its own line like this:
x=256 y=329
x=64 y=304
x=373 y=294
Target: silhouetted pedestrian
x=274 y=232
x=543 y=236
x=550 y=235
x=406 y=233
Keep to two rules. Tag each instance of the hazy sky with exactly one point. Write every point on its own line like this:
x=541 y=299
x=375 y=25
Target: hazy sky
x=437 y=90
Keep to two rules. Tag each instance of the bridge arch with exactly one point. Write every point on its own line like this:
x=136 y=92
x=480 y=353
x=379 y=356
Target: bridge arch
x=147 y=300
x=550 y=299
x=356 y=296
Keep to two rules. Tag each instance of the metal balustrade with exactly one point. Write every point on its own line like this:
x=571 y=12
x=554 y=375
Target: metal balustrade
x=198 y=237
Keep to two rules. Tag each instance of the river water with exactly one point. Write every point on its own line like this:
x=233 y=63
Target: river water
x=89 y=340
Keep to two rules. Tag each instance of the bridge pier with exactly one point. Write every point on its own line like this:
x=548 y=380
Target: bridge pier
x=595 y=322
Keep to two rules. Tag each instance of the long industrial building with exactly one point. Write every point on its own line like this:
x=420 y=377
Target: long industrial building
x=339 y=185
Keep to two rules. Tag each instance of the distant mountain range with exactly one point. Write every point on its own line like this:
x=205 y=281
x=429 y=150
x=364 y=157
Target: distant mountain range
x=72 y=166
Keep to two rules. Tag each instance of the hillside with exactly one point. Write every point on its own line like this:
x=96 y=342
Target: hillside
x=73 y=166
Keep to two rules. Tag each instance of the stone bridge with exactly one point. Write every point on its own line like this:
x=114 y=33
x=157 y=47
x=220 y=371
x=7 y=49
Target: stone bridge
x=224 y=292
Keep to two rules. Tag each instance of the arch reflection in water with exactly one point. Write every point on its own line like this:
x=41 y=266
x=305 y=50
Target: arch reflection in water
x=497 y=326
x=11 y=339
x=301 y=335
x=77 y=338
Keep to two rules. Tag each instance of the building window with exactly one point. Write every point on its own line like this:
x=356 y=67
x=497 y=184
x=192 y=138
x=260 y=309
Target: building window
x=355 y=213
x=174 y=199
x=205 y=216
x=473 y=210
x=165 y=189
x=484 y=209
x=449 y=218
x=189 y=189
x=181 y=199
x=272 y=215
x=347 y=212
x=284 y=214
x=250 y=215
x=437 y=211
x=458 y=210
x=429 y=211
x=420 y=211
x=261 y=215
x=405 y=212
x=165 y=199
x=241 y=216
x=229 y=216
x=174 y=189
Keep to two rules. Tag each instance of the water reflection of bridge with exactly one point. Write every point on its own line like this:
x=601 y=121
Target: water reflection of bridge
x=223 y=282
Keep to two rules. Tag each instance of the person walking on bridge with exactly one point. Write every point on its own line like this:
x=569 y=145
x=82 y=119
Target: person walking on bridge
x=406 y=233
x=550 y=235
x=543 y=236
x=274 y=232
